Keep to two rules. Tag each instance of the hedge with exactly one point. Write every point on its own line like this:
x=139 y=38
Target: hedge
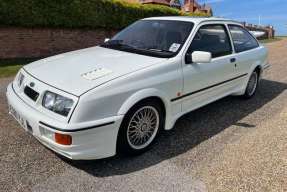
x=111 y=14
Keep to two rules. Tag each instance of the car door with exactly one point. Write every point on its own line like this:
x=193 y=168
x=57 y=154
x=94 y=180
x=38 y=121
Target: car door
x=206 y=82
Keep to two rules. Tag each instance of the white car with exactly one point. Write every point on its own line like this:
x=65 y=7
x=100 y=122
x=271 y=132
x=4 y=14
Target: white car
x=117 y=97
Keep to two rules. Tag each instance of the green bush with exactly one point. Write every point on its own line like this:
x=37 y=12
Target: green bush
x=112 y=14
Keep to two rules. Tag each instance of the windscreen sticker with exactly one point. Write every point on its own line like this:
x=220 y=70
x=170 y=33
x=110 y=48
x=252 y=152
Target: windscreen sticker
x=174 y=47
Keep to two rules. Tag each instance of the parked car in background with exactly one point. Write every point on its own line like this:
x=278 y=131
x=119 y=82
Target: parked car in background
x=118 y=97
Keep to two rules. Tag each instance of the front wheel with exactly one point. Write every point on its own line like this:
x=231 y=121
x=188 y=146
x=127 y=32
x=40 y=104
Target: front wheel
x=252 y=85
x=140 y=128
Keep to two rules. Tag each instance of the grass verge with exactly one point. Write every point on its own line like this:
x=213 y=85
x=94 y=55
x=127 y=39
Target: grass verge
x=8 y=71
x=270 y=40
x=9 y=67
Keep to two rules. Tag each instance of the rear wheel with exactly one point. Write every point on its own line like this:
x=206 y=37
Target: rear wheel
x=140 y=128
x=252 y=85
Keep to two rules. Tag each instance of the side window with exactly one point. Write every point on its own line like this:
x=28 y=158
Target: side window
x=212 y=38
x=242 y=39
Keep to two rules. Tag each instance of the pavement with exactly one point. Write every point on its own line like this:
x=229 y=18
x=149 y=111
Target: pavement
x=229 y=145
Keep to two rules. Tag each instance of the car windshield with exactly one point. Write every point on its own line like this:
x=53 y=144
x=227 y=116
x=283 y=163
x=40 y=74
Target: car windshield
x=158 y=38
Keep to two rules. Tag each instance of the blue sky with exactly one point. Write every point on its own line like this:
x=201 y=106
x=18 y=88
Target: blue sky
x=272 y=12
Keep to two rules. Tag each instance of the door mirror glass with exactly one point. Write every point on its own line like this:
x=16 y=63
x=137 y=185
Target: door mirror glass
x=201 y=57
x=106 y=40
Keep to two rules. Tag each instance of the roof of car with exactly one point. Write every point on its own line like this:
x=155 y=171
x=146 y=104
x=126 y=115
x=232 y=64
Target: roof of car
x=195 y=20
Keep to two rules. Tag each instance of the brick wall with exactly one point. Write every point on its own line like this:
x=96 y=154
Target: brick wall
x=29 y=42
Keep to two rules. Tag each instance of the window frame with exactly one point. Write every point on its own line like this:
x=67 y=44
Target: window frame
x=199 y=26
x=244 y=29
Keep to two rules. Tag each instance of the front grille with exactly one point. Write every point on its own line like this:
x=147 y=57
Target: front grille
x=31 y=93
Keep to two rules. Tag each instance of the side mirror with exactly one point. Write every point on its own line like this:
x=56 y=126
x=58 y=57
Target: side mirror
x=201 y=57
x=106 y=40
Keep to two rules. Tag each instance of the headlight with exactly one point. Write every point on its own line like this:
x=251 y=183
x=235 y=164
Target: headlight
x=20 y=79
x=57 y=103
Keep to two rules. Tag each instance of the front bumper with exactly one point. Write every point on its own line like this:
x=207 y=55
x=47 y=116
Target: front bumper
x=90 y=140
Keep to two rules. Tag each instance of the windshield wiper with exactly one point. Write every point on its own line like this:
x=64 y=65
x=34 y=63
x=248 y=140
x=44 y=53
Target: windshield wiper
x=117 y=43
x=159 y=50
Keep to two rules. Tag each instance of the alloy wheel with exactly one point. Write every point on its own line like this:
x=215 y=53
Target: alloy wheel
x=143 y=127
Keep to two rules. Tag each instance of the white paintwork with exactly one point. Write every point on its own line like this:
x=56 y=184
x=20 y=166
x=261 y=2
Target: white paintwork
x=101 y=98
x=257 y=33
x=97 y=73
x=201 y=57
x=64 y=71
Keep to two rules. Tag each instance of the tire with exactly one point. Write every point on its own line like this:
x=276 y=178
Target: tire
x=252 y=85
x=136 y=136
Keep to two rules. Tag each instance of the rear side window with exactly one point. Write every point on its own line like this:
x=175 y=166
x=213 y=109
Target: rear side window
x=242 y=39
x=212 y=38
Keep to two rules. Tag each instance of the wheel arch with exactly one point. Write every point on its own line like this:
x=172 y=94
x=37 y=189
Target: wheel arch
x=143 y=95
x=259 y=70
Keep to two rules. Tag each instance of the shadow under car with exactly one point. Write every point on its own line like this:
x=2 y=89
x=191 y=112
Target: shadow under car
x=189 y=131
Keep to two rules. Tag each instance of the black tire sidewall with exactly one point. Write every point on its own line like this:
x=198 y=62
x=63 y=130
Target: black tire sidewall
x=246 y=94
x=123 y=146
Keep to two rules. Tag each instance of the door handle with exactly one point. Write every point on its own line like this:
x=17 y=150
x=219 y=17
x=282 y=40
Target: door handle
x=232 y=60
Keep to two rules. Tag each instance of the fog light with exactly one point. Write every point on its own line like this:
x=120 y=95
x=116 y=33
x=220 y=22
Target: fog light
x=63 y=139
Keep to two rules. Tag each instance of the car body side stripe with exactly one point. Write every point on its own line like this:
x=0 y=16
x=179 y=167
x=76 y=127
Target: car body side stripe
x=76 y=130
x=209 y=87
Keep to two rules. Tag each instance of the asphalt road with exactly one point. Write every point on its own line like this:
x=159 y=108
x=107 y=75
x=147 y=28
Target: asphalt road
x=230 y=145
